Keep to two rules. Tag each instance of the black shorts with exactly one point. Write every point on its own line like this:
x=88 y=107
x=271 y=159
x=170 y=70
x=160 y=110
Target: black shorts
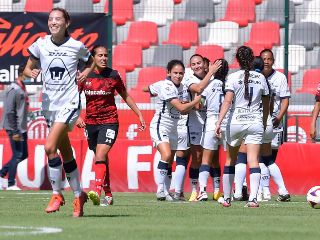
x=101 y=134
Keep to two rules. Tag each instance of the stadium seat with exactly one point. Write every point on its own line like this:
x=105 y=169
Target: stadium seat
x=297 y=2
x=275 y=12
x=139 y=96
x=256 y=48
x=143 y=33
x=241 y=12
x=310 y=81
x=312 y=13
x=257 y=1
x=95 y=1
x=164 y=53
x=297 y=58
x=122 y=11
x=38 y=5
x=127 y=56
x=149 y=75
x=183 y=33
x=6 y=6
x=199 y=11
x=223 y=33
x=122 y=73
x=266 y=34
x=76 y=6
x=177 y=1
x=158 y=11
x=302 y=99
x=306 y=34
x=212 y=52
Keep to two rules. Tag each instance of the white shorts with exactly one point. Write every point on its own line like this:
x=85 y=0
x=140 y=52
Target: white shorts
x=67 y=116
x=183 y=143
x=210 y=141
x=160 y=134
x=195 y=134
x=268 y=134
x=250 y=133
x=276 y=140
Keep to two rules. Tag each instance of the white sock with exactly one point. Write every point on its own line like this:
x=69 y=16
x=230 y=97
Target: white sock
x=265 y=176
x=72 y=174
x=179 y=176
x=55 y=174
x=203 y=177
x=277 y=177
x=167 y=184
x=254 y=182
x=162 y=172
x=240 y=176
x=228 y=179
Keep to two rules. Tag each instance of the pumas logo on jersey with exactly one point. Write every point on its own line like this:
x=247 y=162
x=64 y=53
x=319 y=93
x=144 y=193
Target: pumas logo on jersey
x=58 y=54
x=56 y=73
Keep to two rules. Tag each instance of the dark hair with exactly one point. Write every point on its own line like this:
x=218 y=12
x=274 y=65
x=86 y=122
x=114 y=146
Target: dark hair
x=21 y=68
x=245 y=58
x=265 y=51
x=206 y=60
x=258 y=64
x=173 y=63
x=222 y=72
x=196 y=55
x=65 y=14
x=93 y=51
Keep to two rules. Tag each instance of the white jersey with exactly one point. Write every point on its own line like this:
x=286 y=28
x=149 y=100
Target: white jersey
x=279 y=85
x=166 y=114
x=244 y=111
x=59 y=67
x=196 y=117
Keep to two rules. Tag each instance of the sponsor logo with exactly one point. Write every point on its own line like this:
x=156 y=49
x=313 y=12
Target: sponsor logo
x=96 y=92
x=245 y=118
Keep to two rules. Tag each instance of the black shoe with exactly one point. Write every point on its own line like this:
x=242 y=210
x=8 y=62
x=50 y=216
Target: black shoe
x=245 y=195
x=284 y=198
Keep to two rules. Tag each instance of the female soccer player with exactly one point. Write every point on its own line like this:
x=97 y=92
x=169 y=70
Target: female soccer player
x=196 y=83
x=212 y=98
x=245 y=90
x=164 y=124
x=59 y=55
x=101 y=120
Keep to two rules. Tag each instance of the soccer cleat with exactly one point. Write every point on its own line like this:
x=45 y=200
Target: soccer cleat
x=170 y=198
x=94 y=197
x=266 y=196
x=193 y=197
x=226 y=202
x=259 y=197
x=161 y=196
x=252 y=204
x=284 y=198
x=179 y=196
x=78 y=203
x=107 y=200
x=56 y=201
x=237 y=198
x=203 y=196
x=245 y=195
x=14 y=188
x=216 y=195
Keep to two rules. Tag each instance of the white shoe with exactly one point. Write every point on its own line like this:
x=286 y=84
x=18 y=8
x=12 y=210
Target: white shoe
x=3 y=183
x=259 y=197
x=203 y=196
x=14 y=188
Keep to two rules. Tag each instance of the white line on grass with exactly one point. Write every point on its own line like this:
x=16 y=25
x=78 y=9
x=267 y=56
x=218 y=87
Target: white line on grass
x=29 y=230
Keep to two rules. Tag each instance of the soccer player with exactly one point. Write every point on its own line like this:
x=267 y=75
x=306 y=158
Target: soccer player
x=315 y=113
x=164 y=124
x=196 y=83
x=279 y=84
x=58 y=55
x=212 y=98
x=101 y=120
x=14 y=121
x=245 y=89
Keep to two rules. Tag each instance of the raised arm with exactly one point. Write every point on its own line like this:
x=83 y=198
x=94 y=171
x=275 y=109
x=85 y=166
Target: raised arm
x=30 y=70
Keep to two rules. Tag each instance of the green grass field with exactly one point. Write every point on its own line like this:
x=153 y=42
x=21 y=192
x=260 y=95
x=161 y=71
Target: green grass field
x=140 y=216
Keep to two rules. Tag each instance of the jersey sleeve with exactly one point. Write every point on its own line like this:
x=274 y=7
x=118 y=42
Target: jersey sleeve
x=120 y=87
x=84 y=53
x=168 y=92
x=284 y=91
x=154 y=88
x=34 y=50
x=229 y=85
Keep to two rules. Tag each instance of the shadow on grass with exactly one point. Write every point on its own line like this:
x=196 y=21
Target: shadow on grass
x=108 y=215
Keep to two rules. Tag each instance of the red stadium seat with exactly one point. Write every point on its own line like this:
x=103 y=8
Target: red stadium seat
x=139 y=96
x=127 y=56
x=265 y=33
x=143 y=33
x=256 y=48
x=38 y=5
x=122 y=11
x=177 y=1
x=149 y=75
x=183 y=33
x=257 y=1
x=95 y=1
x=310 y=81
x=212 y=52
x=122 y=73
x=241 y=12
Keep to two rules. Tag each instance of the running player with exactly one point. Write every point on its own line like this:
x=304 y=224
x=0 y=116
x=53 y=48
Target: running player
x=212 y=97
x=245 y=89
x=59 y=55
x=196 y=83
x=163 y=126
x=101 y=120
x=278 y=82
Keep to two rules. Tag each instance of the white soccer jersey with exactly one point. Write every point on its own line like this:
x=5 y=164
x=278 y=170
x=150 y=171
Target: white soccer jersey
x=241 y=111
x=279 y=85
x=59 y=67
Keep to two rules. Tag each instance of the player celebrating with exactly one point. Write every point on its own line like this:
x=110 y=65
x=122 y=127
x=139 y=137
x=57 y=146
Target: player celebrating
x=101 y=120
x=245 y=90
x=279 y=84
x=212 y=97
x=59 y=55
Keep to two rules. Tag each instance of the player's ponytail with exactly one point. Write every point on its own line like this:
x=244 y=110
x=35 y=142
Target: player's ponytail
x=222 y=72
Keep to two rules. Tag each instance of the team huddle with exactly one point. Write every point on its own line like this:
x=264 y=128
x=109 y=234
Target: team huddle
x=198 y=112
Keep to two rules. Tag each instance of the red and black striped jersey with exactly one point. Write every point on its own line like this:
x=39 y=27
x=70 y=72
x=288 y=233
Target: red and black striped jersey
x=99 y=89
